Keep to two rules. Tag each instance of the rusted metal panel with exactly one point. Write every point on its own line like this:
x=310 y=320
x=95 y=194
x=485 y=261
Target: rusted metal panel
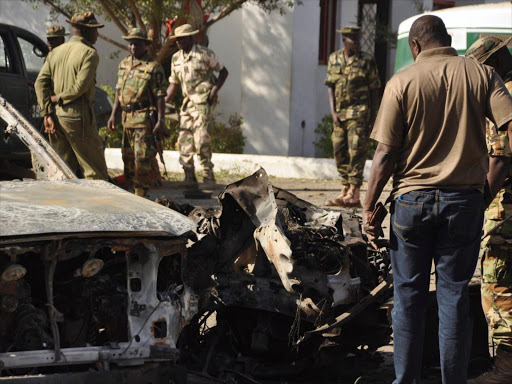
x=81 y=206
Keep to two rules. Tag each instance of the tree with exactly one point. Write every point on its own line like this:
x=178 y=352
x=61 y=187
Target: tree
x=156 y=16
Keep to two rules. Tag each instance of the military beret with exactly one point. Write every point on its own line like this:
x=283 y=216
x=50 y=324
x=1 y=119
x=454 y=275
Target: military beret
x=350 y=30
x=56 y=31
x=86 y=19
x=484 y=47
x=136 y=34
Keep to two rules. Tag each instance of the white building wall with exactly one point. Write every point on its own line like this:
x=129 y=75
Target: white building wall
x=304 y=90
x=266 y=79
x=226 y=41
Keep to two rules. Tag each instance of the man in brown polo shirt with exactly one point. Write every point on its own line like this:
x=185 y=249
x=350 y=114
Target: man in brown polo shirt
x=431 y=134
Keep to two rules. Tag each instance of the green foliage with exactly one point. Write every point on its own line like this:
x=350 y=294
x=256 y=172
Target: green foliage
x=323 y=132
x=228 y=138
x=324 y=142
x=150 y=13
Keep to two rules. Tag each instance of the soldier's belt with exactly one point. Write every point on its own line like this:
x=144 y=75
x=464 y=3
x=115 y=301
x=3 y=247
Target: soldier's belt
x=135 y=107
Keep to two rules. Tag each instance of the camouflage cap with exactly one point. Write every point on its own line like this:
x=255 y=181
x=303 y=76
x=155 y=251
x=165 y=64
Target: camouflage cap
x=86 y=19
x=350 y=30
x=56 y=31
x=136 y=34
x=185 y=30
x=484 y=47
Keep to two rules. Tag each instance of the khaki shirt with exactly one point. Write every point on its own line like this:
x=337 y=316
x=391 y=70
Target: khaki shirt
x=136 y=78
x=195 y=73
x=501 y=206
x=353 y=80
x=434 y=111
x=69 y=73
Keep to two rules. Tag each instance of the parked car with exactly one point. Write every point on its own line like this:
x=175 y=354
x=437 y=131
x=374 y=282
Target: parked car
x=22 y=55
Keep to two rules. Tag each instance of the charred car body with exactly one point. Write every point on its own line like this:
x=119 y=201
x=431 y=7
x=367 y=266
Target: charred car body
x=96 y=282
x=91 y=275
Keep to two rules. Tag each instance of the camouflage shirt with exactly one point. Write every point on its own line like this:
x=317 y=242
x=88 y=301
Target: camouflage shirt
x=352 y=81
x=195 y=73
x=136 y=77
x=501 y=206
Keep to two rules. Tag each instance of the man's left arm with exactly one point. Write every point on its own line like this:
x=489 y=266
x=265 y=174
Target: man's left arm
x=215 y=65
x=85 y=79
x=158 y=88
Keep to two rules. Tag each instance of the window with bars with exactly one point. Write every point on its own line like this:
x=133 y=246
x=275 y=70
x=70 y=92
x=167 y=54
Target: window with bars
x=327 y=43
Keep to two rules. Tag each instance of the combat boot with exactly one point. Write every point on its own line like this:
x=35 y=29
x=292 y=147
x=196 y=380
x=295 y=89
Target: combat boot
x=209 y=178
x=351 y=199
x=190 y=177
x=338 y=201
x=502 y=372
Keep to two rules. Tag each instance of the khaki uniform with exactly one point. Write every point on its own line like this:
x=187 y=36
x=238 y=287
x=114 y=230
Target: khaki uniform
x=497 y=248
x=353 y=80
x=195 y=73
x=70 y=73
x=136 y=79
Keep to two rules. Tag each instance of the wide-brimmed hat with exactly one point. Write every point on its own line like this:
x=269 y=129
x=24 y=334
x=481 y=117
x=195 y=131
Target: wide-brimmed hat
x=56 y=31
x=86 y=19
x=484 y=47
x=350 y=30
x=185 y=30
x=137 y=34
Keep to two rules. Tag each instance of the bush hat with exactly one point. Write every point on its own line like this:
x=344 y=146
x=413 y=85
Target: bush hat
x=86 y=19
x=137 y=34
x=350 y=30
x=56 y=31
x=185 y=30
x=484 y=47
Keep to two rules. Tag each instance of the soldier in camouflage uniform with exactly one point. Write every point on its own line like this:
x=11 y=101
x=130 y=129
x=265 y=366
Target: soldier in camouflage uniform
x=497 y=248
x=55 y=36
x=140 y=89
x=353 y=84
x=193 y=68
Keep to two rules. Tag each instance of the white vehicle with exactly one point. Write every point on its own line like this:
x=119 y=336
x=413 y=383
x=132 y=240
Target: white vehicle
x=465 y=24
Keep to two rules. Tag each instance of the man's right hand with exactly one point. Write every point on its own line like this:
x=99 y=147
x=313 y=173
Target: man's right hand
x=111 y=124
x=49 y=125
x=336 y=119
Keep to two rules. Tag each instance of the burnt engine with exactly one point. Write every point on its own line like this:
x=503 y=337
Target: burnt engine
x=88 y=299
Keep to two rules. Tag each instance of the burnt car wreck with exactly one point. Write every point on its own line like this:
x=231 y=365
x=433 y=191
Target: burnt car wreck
x=93 y=276
x=283 y=281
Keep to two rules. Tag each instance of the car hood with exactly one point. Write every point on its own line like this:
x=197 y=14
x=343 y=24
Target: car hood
x=82 y=207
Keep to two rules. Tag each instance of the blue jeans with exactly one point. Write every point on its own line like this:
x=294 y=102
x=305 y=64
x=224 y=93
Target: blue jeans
x=443 y=226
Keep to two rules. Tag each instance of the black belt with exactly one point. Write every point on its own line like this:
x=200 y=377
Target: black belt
x=135 y=107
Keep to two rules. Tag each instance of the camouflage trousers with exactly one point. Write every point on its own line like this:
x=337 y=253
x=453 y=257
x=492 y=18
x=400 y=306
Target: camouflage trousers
x=139 y=151
x=497 y=291
x=193 y=136
x=77 y=141
x=350 y=144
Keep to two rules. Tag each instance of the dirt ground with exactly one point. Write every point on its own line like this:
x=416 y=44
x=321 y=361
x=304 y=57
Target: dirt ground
x=377 y=368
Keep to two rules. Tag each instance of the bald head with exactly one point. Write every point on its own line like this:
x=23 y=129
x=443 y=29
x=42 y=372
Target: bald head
x=428 y=32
